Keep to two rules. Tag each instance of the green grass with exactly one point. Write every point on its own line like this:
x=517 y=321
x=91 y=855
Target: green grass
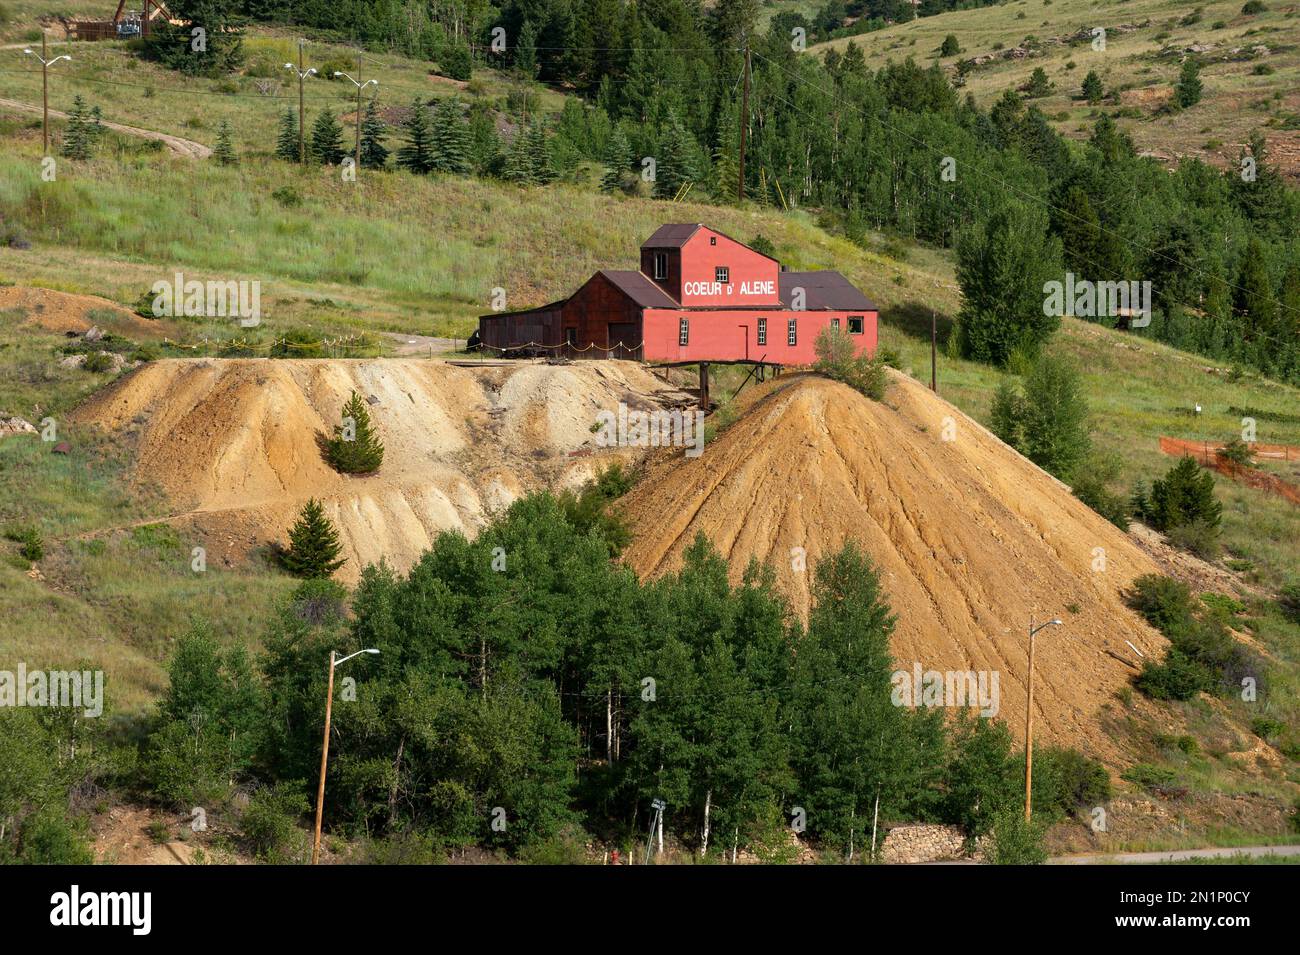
x=140 y=93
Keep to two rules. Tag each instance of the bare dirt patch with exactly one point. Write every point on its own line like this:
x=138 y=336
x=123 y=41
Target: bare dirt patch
x=233 y=444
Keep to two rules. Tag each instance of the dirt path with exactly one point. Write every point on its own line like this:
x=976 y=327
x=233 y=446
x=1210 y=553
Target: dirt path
x=1178 y=855
x=182 y=147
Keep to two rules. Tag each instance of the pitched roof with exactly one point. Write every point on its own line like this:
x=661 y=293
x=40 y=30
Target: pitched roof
x=671 y=236
x=823 y=289
x=638 y=288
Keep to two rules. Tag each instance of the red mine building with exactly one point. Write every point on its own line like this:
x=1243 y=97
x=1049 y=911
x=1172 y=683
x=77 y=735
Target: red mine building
x=699 y=296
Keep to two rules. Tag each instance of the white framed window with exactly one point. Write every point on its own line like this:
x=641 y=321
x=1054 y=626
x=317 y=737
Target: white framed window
x=722 y=274
x=857 y=324
x=792 y=332
x=661 y=265
x=684 y=331
x=835 y=324
x=762 y=331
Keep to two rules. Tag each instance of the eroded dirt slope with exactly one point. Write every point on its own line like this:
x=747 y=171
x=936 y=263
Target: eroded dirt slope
x=233 y=443
x=970 y=538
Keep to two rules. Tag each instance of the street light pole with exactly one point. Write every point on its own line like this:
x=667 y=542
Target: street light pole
x=302 y=109
x=45 y=89
x=1029 y=717
x=325 y=750
x=356 y=159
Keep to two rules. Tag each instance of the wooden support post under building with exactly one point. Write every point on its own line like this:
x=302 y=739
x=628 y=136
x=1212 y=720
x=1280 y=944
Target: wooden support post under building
x=704 y=386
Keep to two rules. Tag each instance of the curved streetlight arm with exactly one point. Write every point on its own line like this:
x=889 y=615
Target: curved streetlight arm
x=351 y=655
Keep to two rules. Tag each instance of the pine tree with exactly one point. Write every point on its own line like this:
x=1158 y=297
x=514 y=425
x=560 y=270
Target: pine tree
x=286 y=143
x=1039 y=85
x=519 y=166
x=416 y=152
x=526 y=51
x=675 y=167
x=1093 y=91
x=355 y=447
x=618 y=159
x=224 y=152
x=327 y=139
x=449 y=138
x=374 y=154
x=1187 y=92
x=313 y=550
x=1255 y=298
x=539 y=150
x=1079 y=227
x=1183 y=496
x=78 y=136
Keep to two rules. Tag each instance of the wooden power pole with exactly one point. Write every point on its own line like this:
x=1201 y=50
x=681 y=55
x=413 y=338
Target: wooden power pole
x=934 y=337
x=744 y=125
x=45 y=97
x=324 y=761
x=302 y=134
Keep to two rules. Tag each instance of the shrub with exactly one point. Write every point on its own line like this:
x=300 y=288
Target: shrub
x=1288 y=601
x=287 y=196
x=1016 y=842
x=1047 y=419
x=1197 y=538
x=49 y=837
x=950 y=46
x=835 y=359
x=1066 y=780
x=1101 y=499
x=1267 y=728
x=1147 y=776
x=30 y=544
x=269 y=822
x=1176 y=678
x=98 y=362
x=1237 y=452
x=1252 y=7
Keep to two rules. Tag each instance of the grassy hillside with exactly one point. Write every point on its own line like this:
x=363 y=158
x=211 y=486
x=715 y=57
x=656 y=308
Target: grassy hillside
x=1245 y=87
x=396 y=253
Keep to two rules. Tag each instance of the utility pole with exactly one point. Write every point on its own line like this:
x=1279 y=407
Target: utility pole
x=45 y=90
x=1029 y=718
x=744 y=125
x=934 y=337
x=302 y=109
x=325 y=750
x=360 y=86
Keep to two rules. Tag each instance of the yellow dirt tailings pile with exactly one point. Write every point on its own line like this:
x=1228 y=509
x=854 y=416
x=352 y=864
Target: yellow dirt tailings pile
x=233 y=443
x=971 y=540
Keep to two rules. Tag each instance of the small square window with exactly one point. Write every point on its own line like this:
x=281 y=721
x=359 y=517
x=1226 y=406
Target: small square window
x=713 y=240
x=722 y=274
x=857 y=324
x=762 y=331
x=792 y=332
x=684 y=331
x=661 y=265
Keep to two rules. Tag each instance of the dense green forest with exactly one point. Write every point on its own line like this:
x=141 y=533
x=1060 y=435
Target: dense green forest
x=895 y=149
x=530 y=692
